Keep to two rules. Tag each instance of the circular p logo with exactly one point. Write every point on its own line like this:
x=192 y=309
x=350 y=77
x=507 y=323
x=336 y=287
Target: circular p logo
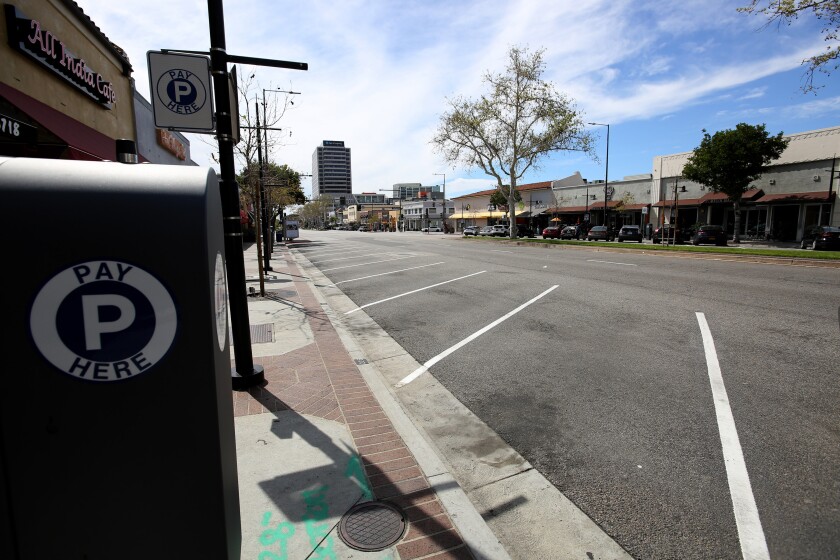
x=103 y=321
x=181 y=91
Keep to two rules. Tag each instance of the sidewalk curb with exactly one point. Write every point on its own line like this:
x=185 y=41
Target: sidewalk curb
x=474 y=530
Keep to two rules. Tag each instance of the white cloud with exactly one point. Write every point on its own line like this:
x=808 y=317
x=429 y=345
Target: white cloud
x=379 y=72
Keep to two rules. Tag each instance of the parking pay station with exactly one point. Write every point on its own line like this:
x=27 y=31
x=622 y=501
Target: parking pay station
x=116 y=420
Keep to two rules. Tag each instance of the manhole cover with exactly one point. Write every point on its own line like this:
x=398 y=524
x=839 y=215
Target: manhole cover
x=259 y=333
x=372 y=526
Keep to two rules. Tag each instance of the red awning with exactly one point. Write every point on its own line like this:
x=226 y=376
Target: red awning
x=814 y=196
x=721 y=198
x=680 y=202
x=86 y=143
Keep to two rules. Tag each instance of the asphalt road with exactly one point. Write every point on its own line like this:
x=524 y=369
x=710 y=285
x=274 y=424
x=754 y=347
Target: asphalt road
x=603 y=383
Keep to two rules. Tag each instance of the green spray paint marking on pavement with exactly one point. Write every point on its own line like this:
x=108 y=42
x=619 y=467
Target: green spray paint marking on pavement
x=319 y=533
x=355 y=471
x=282 y=532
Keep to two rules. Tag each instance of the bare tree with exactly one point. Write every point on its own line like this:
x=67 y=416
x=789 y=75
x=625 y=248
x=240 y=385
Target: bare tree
x=509 y=129
x=825 y=11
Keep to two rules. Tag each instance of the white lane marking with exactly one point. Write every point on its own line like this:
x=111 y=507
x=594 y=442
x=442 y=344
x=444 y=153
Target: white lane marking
x=383 y=274
x=425 y=367
x=316 y=255
x=367 y=263
x=611 y=262
x=380 y=254
x=412 y=292
x=750 y=532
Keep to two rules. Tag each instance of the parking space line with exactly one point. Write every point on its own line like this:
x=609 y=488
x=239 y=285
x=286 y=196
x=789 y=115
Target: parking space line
x=425 y=367
x=750 y=532
x=412 y=292
x=611 y=262
x=384 y=274
x=316 y=262
x=367 y=263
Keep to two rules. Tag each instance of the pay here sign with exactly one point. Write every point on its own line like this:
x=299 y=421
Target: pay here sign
x=181 y=91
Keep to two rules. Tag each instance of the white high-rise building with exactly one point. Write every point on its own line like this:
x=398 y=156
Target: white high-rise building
x=331 y=170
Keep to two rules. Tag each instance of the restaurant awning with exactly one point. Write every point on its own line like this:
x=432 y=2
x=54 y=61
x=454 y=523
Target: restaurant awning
x=813 y=196
x=84 y=142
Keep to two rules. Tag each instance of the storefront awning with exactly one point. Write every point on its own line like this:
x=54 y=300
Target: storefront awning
x=84 y=142
x=722 y=198
x=477 y=215
x=679 y=202
x=814 y=196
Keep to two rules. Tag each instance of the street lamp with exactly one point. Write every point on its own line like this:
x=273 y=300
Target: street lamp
x=263 y=209
x=607 y=170
x=443 y=209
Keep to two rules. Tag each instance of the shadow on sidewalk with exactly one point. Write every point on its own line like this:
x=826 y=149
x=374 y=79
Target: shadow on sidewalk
x=319 y=496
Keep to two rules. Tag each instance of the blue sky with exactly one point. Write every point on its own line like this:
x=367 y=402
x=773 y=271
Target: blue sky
x=380 y=72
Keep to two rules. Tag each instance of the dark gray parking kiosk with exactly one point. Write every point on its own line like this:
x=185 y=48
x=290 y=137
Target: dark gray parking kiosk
x=116 y=417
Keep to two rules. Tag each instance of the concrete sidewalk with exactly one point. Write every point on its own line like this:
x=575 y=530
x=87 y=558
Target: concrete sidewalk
x=320 y=436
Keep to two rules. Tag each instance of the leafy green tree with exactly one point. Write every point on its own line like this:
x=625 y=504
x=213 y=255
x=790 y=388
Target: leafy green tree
x=731 y=159
x=787 y=11
x=501 y=198
x=507 y=131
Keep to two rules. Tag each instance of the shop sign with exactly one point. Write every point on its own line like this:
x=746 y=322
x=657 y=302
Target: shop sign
x=29 y=38
x=171 y=144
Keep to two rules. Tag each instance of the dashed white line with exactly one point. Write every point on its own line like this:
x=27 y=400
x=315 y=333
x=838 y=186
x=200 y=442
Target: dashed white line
x=425 y=367
x=384 y=273
x=411 y=292
x=750 y=532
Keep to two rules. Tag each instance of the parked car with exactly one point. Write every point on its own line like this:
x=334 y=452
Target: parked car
x=709 y=234
x=570 y=232
x=599 y=233
x=524 y=231
x=363 y=228
x=471 y=230
x=667 y=232
x=500 y=230
x=486 y=231
x=551 y=232
x=431 y=229
x=823 y=238
x=630 y=233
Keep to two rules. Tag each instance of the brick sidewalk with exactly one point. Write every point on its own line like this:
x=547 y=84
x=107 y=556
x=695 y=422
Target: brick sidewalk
x=322 y=380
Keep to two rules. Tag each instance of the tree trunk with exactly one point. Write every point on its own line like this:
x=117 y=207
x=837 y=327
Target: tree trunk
x=512 y=207
x=736 y=237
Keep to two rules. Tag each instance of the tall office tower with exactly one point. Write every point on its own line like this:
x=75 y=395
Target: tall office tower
x=331 y=169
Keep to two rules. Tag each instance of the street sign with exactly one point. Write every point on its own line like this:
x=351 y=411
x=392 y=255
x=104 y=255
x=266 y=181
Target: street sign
x=181 y=90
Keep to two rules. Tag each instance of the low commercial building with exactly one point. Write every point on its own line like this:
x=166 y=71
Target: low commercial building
x=65 y=88
x=797 y=192
x=67 y=92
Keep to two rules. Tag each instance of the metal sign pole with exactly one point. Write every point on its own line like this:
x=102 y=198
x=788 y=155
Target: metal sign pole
x=245 y=374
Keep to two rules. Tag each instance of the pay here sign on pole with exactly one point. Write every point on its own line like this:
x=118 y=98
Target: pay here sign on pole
x=181 y=90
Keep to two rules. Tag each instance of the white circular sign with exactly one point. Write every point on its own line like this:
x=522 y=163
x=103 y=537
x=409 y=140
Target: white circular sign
x=220 y=301
x=181 y=91
x=103 y=321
